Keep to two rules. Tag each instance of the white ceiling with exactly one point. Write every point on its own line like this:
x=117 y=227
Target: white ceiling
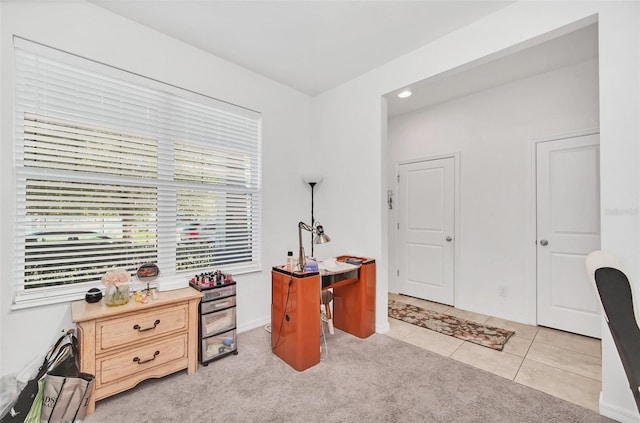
x=313 y=46
x=564 y=50
x=310 y=46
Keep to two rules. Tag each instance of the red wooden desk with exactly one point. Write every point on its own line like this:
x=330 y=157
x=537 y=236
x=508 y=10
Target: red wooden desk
x=295 y=311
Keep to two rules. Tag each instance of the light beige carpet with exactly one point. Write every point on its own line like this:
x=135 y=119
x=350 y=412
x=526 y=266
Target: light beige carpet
x=378 y=379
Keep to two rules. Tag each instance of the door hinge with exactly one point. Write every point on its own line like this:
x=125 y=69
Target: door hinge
x=398 y=272
x=398 y=226
x=398 y=176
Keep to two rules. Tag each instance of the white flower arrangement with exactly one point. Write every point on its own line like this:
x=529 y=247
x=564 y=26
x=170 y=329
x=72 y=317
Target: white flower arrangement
x=117 y=283
x=116 y=277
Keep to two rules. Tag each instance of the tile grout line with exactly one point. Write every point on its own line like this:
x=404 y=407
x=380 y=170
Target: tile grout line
x=573 y=351
x=525 y=355
x=569 y=349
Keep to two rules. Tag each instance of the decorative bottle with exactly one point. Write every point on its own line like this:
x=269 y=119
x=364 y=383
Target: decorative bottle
x=289 y=261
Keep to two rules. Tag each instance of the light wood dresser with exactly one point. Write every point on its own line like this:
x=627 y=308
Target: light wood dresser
x=124 y=345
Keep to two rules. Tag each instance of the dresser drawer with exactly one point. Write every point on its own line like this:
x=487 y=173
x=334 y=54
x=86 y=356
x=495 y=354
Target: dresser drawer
x=146 y=358
x=214 y=294
x=137 y=327
x=218 y=345
x=217 y=305
x=220 y=321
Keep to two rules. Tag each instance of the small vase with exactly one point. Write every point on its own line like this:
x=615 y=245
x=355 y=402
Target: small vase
x=116 y=295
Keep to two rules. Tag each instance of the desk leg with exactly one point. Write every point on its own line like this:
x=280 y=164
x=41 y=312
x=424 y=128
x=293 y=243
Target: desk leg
x=354 y=306
x=295 y=319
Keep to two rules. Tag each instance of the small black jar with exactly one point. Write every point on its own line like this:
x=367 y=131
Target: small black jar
x=93 y=295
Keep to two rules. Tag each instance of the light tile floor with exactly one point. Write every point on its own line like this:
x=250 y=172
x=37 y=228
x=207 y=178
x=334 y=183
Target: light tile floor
x=561 y=364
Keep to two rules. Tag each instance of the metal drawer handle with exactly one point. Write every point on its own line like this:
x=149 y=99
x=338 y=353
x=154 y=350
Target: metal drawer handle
x=139 y=329
x=137 y=360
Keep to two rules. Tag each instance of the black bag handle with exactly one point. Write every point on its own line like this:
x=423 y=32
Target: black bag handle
x=68 y=335
x=65 y=362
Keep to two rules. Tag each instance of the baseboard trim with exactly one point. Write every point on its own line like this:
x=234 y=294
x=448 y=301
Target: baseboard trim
x=253 y=324
x=623 y=415
x=383 y=328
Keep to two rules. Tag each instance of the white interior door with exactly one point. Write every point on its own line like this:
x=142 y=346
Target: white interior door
x=425 y=252
x=568 y=229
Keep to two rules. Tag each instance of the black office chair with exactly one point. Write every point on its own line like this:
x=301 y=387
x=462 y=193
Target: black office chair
x=616 y=298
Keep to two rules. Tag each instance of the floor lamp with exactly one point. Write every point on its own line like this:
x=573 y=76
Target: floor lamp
x=320 y=238
x=317 y=231
x=312 y=180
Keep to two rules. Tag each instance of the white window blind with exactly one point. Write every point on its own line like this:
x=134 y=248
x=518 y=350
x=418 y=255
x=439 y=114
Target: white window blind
x=116 y=170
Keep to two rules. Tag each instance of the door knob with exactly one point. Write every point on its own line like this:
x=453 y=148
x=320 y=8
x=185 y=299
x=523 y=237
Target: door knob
x=448 y=239
x=544 y=242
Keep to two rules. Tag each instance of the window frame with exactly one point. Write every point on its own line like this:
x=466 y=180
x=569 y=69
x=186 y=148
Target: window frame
x=167 y=187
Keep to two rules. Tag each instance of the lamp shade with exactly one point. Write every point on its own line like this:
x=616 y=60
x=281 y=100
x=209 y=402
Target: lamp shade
x=312 y=179
x=321 y=237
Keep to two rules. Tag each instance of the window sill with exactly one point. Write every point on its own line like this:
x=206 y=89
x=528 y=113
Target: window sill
x=26 y=300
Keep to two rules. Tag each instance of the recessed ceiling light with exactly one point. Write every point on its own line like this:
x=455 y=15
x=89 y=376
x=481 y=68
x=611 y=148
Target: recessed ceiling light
x=404 y=94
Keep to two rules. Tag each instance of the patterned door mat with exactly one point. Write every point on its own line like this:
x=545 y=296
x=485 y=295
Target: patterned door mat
x=487 y=336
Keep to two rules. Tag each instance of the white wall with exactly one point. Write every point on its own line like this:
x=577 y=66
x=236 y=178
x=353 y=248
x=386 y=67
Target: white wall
x=87 y=30
x=347 y=133
x=349 y=127
x=493 y=132
x=2 y=251
x=619 y=164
